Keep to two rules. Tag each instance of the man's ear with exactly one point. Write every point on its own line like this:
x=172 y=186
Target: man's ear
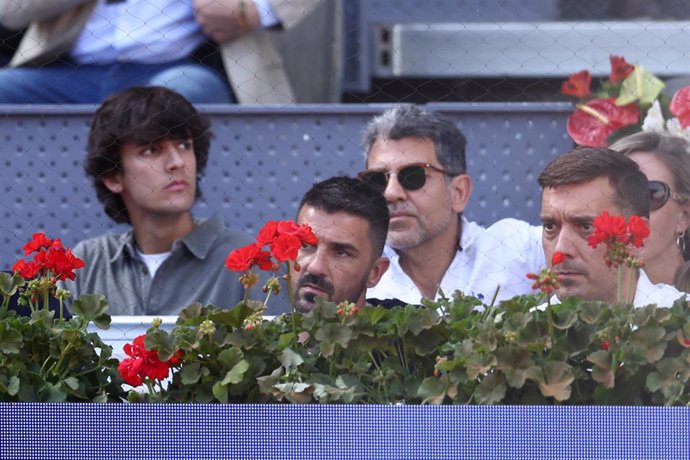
x=377 y=270
x=461 y=188
x=113 y=182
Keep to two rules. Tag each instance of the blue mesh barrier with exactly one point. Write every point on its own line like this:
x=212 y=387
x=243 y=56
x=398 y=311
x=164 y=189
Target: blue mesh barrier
x=167 y=431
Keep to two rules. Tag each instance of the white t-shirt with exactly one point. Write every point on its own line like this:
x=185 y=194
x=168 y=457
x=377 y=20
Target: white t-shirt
x=152 y=261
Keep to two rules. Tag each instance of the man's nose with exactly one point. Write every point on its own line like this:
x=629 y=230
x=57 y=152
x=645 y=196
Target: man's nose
x=174 y=158
x=565 y=243
x=315 y=263
x=394 y=191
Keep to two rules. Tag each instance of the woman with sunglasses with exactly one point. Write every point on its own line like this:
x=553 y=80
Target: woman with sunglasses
x=665 y=160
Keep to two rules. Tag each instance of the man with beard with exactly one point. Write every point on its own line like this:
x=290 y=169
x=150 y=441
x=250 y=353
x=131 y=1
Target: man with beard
x=578 y=187
x=416 y=158
x=350 y=220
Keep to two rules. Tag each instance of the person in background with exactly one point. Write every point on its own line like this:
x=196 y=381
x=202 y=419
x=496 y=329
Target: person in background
x=146 y=150
x=578 y=187
x=416 y=158
x=665 y=160
x=350 y=220
x=80 y=51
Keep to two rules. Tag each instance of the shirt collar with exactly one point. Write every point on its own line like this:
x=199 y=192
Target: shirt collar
x=198 y=242
x=468 y=232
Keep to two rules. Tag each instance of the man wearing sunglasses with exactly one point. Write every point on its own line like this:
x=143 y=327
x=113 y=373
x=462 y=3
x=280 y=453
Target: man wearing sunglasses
x=578 y=187
x=416 y=158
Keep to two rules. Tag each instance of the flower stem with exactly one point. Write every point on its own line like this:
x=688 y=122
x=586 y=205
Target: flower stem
x=549 y=324
x=619 y=281
x=291 y=296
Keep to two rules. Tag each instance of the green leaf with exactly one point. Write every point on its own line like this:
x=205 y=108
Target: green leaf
x=52 y=393
x=10 y=282
x=13 y=386
x=479 y=365
x=289 y=359
x=234 y=317
x=491 y=390
x=72 y=383
x=564 y=320
x=432 y=391
x=163 y=342
x=334 y=333
x=640 y=86
x=11 y=340
x=590 y=312
x=92 y=307
x=650 y=341
x=296 y=393
x=220 y=392
x=422 y=319
x=190 y=373
x=230 y=357
x=285 y=340
x=374 y=314
x=601 y=358
x=235 y=374
x=266 y=382
x=557 y=379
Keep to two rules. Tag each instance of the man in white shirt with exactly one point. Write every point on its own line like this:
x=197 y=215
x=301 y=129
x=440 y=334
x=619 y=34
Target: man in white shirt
x=578 y=187
x=417 y=159
x=80 y=51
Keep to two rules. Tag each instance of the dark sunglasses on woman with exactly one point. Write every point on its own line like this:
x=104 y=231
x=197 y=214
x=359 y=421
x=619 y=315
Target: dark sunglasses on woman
x=660 y=192
x=410 y=177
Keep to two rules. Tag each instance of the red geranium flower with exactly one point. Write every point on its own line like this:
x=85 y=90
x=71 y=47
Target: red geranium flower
x=639 y=231
x=38 y=241
x=242 y=259
x=285 y=247
x=620 y=69
x=143 y=363
x=608 y=229
x=51 y=259
x=26 y=270
x=616 y=234
x=592 y=123
x=303 y=232
x=680 y=106
x=267 y=233
x=577 y=85
x=557 y=258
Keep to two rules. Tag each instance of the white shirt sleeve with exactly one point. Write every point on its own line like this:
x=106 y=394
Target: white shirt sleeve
x=268 y=18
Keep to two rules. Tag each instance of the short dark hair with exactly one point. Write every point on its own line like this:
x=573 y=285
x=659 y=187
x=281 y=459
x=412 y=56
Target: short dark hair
x=352 y=196
x=586 y=164
x=140 y=115
x=408 y=120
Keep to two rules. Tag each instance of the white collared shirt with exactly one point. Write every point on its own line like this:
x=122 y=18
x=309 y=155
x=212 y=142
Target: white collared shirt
x=500 y=255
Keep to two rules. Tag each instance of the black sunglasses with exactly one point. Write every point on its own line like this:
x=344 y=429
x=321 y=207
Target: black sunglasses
x=659 y=193
x=410 y=177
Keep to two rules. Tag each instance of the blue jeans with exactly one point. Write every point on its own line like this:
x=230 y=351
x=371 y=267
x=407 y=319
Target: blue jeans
x=66 y=83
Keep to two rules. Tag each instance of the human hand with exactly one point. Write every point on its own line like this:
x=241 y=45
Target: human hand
x=226 y=20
